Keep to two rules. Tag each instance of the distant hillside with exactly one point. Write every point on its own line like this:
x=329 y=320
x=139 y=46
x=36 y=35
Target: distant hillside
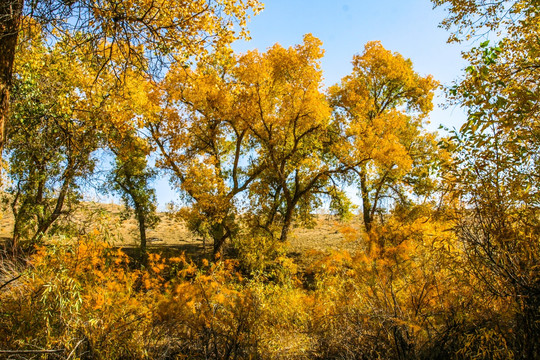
x=327 y=234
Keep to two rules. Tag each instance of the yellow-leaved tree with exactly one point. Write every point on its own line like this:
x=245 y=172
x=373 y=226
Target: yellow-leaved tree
x=206 y=144
x=494 y=173
x=290 y=122
x=257 y=122
x=381 y=108
x=52 y=137
x=142 y=35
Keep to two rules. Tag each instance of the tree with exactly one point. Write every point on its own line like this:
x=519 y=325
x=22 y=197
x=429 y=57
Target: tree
x=500 y=87
x=205 y=142
x=120 y=35
x=51 y=139
x=496 y=160
x=290 y=120
x=10 y=17
x=121 y=125
x=382 y=105
x=131 y=177
x=254 y=122
x=476 y=18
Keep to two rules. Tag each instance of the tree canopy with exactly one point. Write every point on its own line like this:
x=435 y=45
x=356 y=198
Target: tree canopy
x=441 y=260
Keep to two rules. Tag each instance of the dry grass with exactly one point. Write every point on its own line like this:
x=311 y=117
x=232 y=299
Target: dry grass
x=326 y=234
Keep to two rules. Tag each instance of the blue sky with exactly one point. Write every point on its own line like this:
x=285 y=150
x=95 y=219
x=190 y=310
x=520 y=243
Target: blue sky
x=409 y=27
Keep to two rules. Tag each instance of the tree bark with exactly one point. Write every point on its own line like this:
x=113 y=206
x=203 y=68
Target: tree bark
x=220 y=234
x=287 y=221
x=10 y=18
x=46 y=223
x=367 y=211
x=142 y=231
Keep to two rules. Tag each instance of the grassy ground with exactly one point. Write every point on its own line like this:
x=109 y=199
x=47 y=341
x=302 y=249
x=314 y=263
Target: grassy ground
x=326 y=233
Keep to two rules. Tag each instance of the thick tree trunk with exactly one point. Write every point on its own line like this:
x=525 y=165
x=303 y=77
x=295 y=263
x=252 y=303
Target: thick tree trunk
x=142 y=232
x=17 y=220
x=220 y=233
x=217 y=252
x=287 y=221
x=529 y=324
x=46 y=223
x=10 y=17
x=17 y=226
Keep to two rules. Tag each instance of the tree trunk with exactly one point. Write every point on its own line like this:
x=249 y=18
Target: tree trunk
x=287 y=221
x=219 y=234
x=367 y=210
x=218 y=247
x=10 y=17
x=529 y=324
x=17 y=220
x=142 y=232
x=46 y=223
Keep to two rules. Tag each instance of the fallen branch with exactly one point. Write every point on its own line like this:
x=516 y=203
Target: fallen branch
x=31 y=351
x=10 y=281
